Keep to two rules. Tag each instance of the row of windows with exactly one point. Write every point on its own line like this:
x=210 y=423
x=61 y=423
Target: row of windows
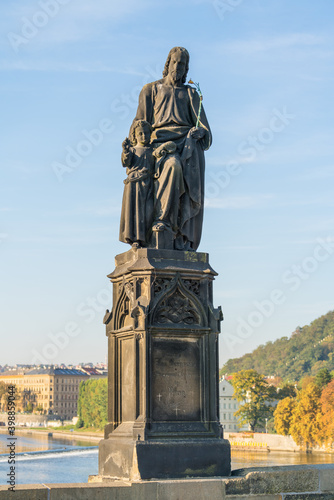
x=37 y=389
x=67 y=388
x=39 y=381
x=68 y=415
x=230 y=416
x=230 y=406
x=69 y=405
x=63 y=388
x=71 y=396
x=34 y=381
x=69 y=381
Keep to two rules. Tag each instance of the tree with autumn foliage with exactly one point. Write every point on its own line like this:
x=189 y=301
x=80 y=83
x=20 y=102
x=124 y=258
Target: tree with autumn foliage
x=310 y=417
x=306 y=422
x=283 y=415
x=305 y=381
x=254 y=392
x=326 y=418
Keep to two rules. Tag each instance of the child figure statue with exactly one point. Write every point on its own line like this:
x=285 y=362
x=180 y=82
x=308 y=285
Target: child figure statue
x=137 y=204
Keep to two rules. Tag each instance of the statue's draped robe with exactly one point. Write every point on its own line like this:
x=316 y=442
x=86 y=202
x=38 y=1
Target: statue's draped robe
x=137 y=204
x=172 y=112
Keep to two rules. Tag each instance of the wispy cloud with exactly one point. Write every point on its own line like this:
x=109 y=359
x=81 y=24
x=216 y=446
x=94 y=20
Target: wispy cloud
x=47 y=65
x=234 y=294
x=69 y=235
x=302 y=148
x=244 y=247
x=271 y=43
x=239 y=202
x=316 y=226
x=105 y=209
x=303 y=201
x=76 y=20
x=86 y=9
x=314 y=309
x=82 y=9
x=217 y=161
x=51 y=240
x=318 y=173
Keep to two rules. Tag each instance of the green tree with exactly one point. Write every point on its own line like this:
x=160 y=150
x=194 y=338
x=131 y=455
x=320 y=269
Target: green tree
x=254 y=392
x=270 y=427
x=286 y=391
x=92 y=403
x=322 y=378
x=283 y=415
x=3 y=391
x=29 y=407
x=309 y=349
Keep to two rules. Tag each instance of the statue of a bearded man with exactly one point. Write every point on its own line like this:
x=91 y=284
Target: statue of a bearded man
x=172 y=107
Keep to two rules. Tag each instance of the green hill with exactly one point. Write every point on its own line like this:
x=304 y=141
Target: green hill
x=309 y=349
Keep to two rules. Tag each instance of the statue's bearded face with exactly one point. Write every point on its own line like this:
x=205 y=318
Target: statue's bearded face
x=177 y=66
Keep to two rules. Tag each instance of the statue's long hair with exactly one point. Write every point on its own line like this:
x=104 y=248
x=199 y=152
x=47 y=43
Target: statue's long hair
x=171 y=52
x=136 y=124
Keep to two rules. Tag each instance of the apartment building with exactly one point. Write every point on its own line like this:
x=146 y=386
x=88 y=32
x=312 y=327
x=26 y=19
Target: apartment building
x=54 y=390
x=228 y=406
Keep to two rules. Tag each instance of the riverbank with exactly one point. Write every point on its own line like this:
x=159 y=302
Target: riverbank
x=256 y=441
x=87 y=435
x=66 y=458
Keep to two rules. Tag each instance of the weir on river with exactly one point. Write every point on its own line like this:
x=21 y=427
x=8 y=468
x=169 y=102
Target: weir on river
x=74 y=460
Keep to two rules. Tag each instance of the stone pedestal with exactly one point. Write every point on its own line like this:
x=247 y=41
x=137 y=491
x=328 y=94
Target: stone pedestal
x=163 y=369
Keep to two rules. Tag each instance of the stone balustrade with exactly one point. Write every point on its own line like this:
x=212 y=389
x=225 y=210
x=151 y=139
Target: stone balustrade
x=298 y=482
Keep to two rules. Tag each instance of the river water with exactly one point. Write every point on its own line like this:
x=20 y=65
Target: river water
x=44 y=459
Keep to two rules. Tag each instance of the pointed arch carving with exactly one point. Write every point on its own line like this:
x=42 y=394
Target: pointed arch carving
x=122 y=316
x=178 y=305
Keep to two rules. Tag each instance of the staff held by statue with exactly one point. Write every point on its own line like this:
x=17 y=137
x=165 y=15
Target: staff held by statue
x=200 y=100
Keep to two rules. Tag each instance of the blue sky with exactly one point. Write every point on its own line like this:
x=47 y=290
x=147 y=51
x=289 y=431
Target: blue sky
x=71 y=71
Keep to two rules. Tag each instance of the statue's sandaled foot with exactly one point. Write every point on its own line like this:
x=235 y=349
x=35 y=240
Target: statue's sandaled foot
x=187 y=246
x=162 y=235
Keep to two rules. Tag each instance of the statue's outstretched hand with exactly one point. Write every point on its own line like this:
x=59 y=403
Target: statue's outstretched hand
x=197 y=133
x=126 y=144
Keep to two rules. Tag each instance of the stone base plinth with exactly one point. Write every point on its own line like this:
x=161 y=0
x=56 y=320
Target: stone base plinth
x=163 y=409
x=166 y=459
